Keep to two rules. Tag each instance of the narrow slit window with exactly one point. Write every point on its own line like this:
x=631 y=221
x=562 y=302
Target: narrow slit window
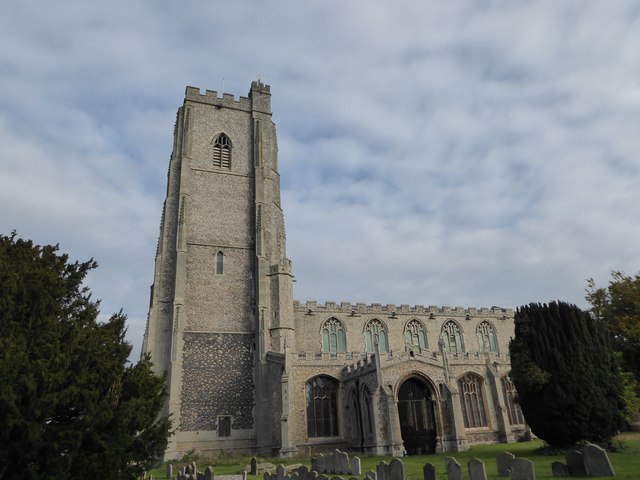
x=219 y=263
x=224 y=426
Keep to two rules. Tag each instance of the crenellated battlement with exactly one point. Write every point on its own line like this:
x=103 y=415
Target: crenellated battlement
x=311 y=306
x=211 y=97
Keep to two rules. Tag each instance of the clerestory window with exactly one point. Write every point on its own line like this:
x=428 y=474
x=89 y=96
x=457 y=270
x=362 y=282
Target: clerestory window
x=375 y=332
x=452 y=337
x=415 y=335
x=487 y=337
x=334 y=339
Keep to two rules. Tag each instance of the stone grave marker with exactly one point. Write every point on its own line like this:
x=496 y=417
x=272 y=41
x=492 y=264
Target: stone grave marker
x=559 y=469
x=503 y=462
x=477 y=470
x=454 y=470
x=343 y=465
x=194 y=468
x=356 y=468
x=312 y=475
x=382 y=471
x=314 y=463
x=254 y=466
x=396 y=470
x=596 y=461
x=429 y=471
x=293 y=476
x=522 y=469
x=575 y=464
x=303 y=472
x=280 y=472
x=168 y=471
x=208 y=473
x=371 y=475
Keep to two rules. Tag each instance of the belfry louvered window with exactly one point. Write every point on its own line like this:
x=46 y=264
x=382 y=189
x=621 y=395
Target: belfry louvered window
x=222 y=152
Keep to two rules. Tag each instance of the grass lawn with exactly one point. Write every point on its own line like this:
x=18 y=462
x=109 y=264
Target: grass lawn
x=626 y=463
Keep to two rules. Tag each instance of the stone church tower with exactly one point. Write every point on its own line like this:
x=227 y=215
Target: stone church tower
x=222 y=291
x=251 y=370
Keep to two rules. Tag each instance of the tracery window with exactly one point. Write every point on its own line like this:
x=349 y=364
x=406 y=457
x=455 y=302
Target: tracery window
x=513 y=408
x=222 y=151
x=452 y=337
x=334 y=339
x=322 y=407
x=219 y=263
x=470 y=388
x=415 y=335
x=375 y=332
x=487 y=337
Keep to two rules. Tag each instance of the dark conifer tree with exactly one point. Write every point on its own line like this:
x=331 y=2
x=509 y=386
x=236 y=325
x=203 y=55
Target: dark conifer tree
x=566 y=375
x=71 y=406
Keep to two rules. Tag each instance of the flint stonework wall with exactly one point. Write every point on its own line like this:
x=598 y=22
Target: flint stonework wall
x=215 y=381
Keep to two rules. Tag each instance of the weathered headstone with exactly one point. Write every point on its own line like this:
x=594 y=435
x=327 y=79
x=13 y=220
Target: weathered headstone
x=341 y=463
x=454 y=470
x=503 y=462
x=194 y=468
x=575 y=463
x=559 y=469
x=187 y=470
x=336 y=458
x=382 y=471
x=280 y=472
x=199 y=476
x=356 y=468
x=208 y=473
x=596 y=461
x=322 y=463
x=371 y=475
x=477 y=471
x=312 y=475
x=396 y=470
x=314 y=463
x=244 y=474
x=303 y=471
x=522 y=469
x=266 y=475
x=429 y=471
x=254 y=466
x=293 y=476
x=168 y=471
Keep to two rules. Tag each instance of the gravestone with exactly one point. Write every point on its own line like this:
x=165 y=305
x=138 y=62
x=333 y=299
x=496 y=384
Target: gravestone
x=280 y=472
x=596 y=461
x=254 y=466
x=293 y=476
x=199 y=476
x=336 y=458
x=342 y=465
x=312 y=475
x=477 y=471
x=356 y=468
x=314 y=463
x=396 y=470
x=429 y=472
x=371 y=475
x=382 y=471
x=454 y=470
x=503 y=462
x=575 y=464
x=522 y=469
x=559 y=469
x=187 y=470
x=244 y=474
x=303 y=472
x=322 y=463
x=168 y=471
x=194 y=468
x=208 y=473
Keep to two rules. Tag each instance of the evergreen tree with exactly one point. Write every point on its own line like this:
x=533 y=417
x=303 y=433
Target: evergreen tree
x=566 y=375
x=70 y=404
x=618 y=306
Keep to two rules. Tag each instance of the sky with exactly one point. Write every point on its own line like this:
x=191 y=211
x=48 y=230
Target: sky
x=463 y=153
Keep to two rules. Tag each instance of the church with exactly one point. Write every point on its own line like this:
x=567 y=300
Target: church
x=251 y=370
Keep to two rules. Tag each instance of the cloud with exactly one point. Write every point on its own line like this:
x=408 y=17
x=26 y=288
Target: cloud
x=463 y=153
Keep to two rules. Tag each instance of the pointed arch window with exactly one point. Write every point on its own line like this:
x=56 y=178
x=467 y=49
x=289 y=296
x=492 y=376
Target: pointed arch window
x=487 y=337
x=471 y=391
x=322 y=407
x=452 y=337
x=513 y=408
x=415 y=335
x=375 y=332
x=222 y=152
x=219 y=263
x=334 y=339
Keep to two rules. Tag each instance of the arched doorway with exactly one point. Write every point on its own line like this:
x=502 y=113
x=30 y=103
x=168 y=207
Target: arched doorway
x=417 y=419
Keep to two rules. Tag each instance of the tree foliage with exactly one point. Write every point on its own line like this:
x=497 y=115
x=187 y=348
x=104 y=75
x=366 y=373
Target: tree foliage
x=618 y=305
x=71 y=406
x=566 y=374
